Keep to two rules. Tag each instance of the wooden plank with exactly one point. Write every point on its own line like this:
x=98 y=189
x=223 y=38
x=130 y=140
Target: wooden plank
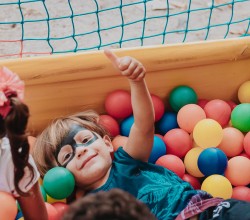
x=59 y=85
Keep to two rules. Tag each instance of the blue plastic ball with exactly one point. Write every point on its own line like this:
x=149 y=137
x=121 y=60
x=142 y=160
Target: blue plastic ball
x=166 y=123
x=158 y=150
x=212 y=161
x=126 y=125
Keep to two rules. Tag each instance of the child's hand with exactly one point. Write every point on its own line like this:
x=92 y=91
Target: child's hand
x=128 y=66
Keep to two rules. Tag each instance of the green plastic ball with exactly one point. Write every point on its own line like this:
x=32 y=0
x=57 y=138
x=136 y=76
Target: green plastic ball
x=182 y=95
x=43 y=193
x=59 y=183
x=240 y=117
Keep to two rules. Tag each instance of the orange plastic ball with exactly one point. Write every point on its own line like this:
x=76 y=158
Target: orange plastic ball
x=241 y=193
x=238 y=171
x=61 y=208
x=172 y=163
x=52 y=212
x=189 y=115
x=246 y=143
x=218 y=110
x=232 y=142
x=119 y=141
x=8 y=209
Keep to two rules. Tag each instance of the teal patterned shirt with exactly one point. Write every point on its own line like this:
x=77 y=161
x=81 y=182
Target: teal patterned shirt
x=159 y=188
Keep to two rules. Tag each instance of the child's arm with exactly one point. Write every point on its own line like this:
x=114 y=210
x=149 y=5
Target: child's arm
x=33 y=206
x=140 y=142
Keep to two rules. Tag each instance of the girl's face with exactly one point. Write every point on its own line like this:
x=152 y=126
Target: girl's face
x=87 y=155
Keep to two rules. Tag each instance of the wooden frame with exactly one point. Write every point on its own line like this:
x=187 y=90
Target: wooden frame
x=60 y=85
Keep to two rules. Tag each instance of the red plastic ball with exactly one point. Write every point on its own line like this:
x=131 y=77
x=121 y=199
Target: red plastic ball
x=118 y=104
x=218 y=110
x=241 y=193
x=158 y=107
x=246 y=143
x=202 y=102
x=172 y=163
x=110 y=124
x=192 y=180
x=231 y=104
x=178 y=142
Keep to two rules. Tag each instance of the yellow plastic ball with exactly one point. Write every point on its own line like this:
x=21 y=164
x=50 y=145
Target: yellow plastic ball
x=208 y=133
x=191 y=162
x=218 y=186
x=244 y=92
x=52 y=200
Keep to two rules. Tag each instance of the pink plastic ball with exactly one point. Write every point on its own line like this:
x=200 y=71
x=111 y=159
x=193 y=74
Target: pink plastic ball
x=192 y=180
x=232 y=142
x=238 y=171
x=158 y=107
x=172 y=163
x=61 y=208
x=8 y=208
x=202 y=102
x=119 y=141
x=241 y=193
x=246 y=143
x=110 y=124
x=118 y=104
x=178 y=142
x=218 y=110
x=189 y=115
x=52 y=212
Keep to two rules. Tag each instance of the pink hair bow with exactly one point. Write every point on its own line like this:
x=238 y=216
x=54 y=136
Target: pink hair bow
x=10 y=85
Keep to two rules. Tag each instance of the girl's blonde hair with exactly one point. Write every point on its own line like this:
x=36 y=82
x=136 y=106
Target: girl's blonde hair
x=48 y=141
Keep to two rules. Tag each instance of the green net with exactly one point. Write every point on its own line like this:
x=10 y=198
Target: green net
x=37 y=27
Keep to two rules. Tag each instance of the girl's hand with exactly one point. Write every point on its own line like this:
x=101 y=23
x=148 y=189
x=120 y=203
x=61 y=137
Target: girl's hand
x=128 y=66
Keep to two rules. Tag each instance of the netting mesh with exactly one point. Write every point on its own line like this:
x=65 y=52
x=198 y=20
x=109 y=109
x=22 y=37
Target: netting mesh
x=37 y=27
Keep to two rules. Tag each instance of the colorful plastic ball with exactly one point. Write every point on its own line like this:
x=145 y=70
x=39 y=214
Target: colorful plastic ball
x=158 y=107
x=110 y=124
x=52 y=212
x=189 y=115
x=244 y=92
x=8 y=208
x=180 y=96
x=119 y=141
x=246 y=143
x=240 y=117
x=126 y=125
x=217 y=186
x=166 y=123
x=212 y=161
x=232 y=142
x=191 y=162
x=59 y=182
x=52 y=200
x=207 y=133
x=202 y=102
x=43 y=192
x=238 y=171
x=19 y=216
x=61 y=208
x=178 y=142
x=158 y=150
x=118 y=104
x=192 y=180
x=172 y=163
x=218 y=110
x=232 y=104
x=241 y=193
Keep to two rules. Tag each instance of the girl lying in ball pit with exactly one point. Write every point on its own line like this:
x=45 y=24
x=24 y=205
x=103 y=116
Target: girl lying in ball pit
x=18 y=173
x=81 y=145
